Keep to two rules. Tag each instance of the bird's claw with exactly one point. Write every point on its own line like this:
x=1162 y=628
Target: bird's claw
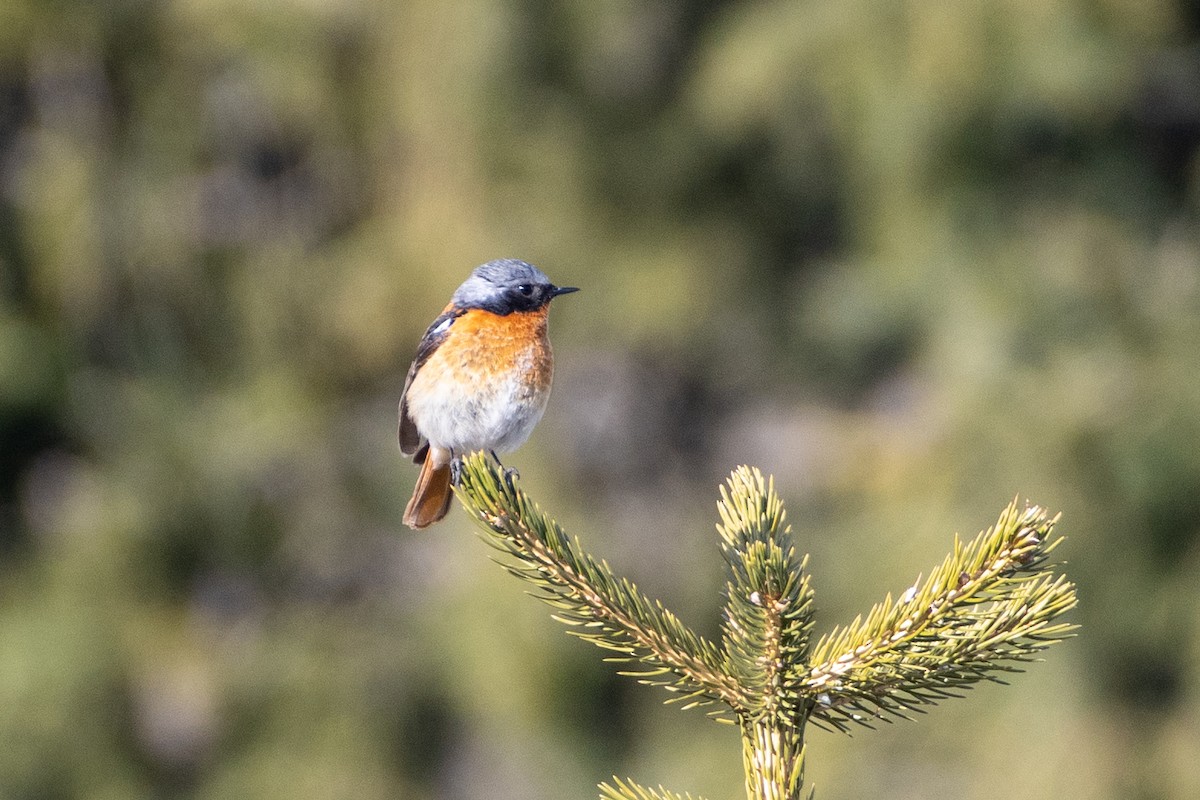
x=510 y=473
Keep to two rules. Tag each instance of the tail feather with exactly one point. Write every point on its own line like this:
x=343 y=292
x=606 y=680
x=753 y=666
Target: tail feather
x=431 y=497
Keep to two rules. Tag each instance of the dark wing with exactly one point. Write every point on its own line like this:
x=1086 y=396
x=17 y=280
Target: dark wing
x=411 y=441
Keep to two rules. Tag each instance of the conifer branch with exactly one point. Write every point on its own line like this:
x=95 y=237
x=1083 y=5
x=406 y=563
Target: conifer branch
x=606 y=610
x=768 y=616
x=628 y=790
x=990 y=606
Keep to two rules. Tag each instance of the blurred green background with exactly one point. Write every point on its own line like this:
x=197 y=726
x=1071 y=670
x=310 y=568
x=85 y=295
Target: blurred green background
x=912 y=258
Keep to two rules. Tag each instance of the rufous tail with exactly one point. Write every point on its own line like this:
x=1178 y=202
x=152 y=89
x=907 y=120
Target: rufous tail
x=431 y=497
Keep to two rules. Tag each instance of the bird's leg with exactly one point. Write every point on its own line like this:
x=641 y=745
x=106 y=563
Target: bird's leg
x=456 y=470
x=509 y=472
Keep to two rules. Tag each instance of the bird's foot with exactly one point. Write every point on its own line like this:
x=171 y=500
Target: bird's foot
x=456 y=470
x=510 y=473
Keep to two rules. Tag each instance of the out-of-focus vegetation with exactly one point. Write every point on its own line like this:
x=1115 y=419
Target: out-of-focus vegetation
x=912 y=258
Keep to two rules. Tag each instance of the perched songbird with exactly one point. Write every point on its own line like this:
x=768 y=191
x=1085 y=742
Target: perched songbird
x=480 y=380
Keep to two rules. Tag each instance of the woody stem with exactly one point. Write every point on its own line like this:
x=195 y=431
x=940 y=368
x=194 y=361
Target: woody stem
x=773 y=756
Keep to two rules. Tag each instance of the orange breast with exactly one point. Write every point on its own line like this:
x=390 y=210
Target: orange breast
x=483 y=347
x=486 y=384
x=485 y=343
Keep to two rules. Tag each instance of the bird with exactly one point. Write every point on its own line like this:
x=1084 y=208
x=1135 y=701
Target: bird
x=480 y=380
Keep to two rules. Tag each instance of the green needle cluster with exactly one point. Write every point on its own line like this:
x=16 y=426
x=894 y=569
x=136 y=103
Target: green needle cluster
x=987 y=609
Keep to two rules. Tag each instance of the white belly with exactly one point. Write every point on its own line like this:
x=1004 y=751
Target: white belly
x=497 y=415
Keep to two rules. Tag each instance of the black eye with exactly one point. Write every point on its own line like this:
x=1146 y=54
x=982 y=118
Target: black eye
x=525 y=289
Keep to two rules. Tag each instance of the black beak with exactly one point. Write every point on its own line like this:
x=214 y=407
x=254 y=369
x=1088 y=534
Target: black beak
x=555 y=291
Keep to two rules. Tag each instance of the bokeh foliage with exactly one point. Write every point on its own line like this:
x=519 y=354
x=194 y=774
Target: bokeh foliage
x=911 y=258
